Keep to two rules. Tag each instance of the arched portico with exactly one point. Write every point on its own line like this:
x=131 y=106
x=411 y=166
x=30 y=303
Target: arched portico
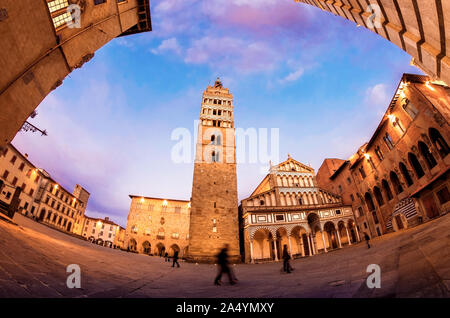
x=161 y=249
x=146 y=247
x=132 y=245
x=174 y=248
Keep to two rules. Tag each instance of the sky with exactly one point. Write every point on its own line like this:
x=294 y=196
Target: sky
x=319 y=79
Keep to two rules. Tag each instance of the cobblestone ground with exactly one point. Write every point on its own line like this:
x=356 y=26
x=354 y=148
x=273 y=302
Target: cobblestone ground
x=33 y=261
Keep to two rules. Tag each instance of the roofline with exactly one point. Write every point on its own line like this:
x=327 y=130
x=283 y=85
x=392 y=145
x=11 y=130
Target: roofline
x=338 y=170
x=103 y=220
x=155 y=198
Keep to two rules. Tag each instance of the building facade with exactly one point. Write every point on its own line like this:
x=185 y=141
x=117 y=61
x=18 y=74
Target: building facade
x=46 y=40
x=156 y=226
x=400 y=178
x=289 y=209
x=103 y=232
x=420 y=28
x=41 y=198
x=214 y=214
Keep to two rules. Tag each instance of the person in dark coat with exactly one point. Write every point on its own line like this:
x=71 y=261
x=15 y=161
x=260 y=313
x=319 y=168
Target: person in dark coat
x=224 y=268
x=175 y=259
x=367 y=238
x=286 y=258
x=166 y=257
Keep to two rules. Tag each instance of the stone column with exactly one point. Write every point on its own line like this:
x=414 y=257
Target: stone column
x=313 y=242
x=323 y=240
x=309 y=245
x=339 y=238
x=348 y=236
x=357 y=233
x=302 y=246
x=275 y=249
x=290 y=250
x=251 y=252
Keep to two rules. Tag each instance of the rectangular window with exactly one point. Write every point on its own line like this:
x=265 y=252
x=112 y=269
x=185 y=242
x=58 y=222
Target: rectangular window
x=388 y=141
x=23 y=187
x=58 y=12
x=14 y=181
x=279 y=217
x=31 y=192
x=13 y=160
x=375 y=218
x=5 y=174
x=22 y=166
x=409 y=108
x=362 y=172
x=379 y=153
x=99 y=1
x=443 y=195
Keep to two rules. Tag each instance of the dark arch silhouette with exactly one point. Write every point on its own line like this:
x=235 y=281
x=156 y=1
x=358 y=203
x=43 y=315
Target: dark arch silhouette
x=396 y=183
x=406 y=175
x=387 y=189
x=439 y=142
x=378 y=196
x=427 y=155
x=414 y=162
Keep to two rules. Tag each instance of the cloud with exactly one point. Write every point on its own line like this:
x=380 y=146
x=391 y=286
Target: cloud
x=225 y=52
x=377 y=96
x=168 y=45
x=293 y=76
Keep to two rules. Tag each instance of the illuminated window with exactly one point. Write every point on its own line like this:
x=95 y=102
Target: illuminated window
x=58 y=12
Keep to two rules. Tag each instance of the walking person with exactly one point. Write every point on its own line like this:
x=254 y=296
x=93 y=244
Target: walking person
x=222 y=260
x=175 y=259
x=367 y=238
x=166 y=257
x=286 y=258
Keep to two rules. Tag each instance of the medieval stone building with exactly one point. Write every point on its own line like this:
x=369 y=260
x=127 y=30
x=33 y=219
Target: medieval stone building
x=214 y=213
x=44 y=41
x=41 y=197
x=156 y=226
x=400 y=178
x=420 y=28
x=288 y=208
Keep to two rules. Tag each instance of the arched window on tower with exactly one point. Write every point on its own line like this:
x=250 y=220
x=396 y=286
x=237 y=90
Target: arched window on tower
x=439 y=142
x=427 y=155
x=396 y=183
x=406 y=175
x=414 y=162
x=213 y=139
x=219 y=140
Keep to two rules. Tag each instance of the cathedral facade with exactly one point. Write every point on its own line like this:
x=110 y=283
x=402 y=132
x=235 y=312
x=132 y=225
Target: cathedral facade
x=288 y=208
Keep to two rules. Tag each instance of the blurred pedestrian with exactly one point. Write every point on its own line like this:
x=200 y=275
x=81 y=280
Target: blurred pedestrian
x=367 y=238
x=175 y=259
x=224 y=268
x=286 y=257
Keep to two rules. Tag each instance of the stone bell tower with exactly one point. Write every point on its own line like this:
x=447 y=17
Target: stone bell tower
x=214 y=203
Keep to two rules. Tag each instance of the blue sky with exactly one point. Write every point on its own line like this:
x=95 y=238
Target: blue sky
x=317 y=77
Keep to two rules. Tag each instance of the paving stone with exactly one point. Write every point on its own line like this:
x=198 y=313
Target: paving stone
x=33 y=261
